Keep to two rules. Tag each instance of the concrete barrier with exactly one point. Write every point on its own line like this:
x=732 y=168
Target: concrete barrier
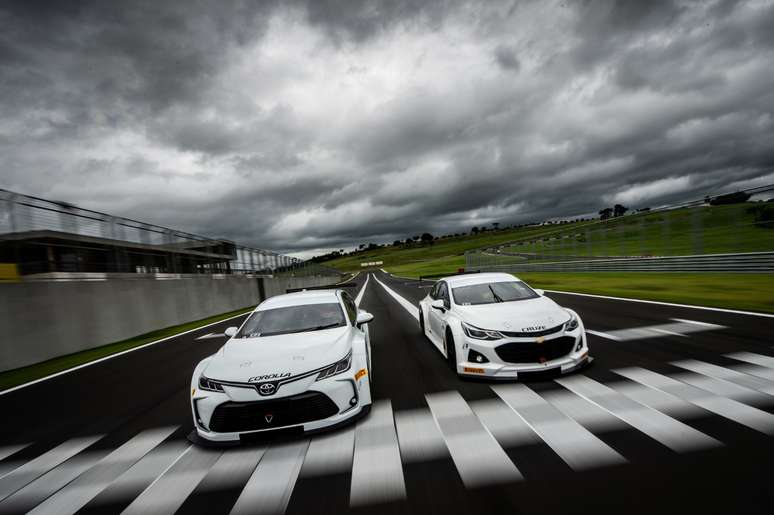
x=42 y=320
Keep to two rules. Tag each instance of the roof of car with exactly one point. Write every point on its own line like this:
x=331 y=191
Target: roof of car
x=470 y=279
x=300 y=298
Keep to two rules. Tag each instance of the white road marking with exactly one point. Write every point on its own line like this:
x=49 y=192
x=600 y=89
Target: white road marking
x=418 y=436
x=131 y=483
x=670 y=432
x=408 y=306
x=44 y=486
x=659 y=303
x=478 y=457
x=211 y=335
x=87 y=486
x=377 y=472
x=30 y=471
x=330 y=453
x=728 y=408
x=607 y=336
x=678 y=327
x=170 y=490
x=578 y=447
x=724 y=388
x=360 y=294
x=508 y=428
x=232 y=470
x=9 y=450
x=755 y=359
x=587 y=414
x=269 y=488
x=755 y=370
x=664 y=402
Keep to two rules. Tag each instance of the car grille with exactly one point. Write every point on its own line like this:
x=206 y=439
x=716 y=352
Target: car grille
x=544 y=332
x=231 y=417
x=533 y=352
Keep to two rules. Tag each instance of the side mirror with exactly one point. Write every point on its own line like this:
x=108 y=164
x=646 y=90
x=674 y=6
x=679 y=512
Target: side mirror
x=363 y=317
x=231 y=331
x=540 y=292
x=438 y=304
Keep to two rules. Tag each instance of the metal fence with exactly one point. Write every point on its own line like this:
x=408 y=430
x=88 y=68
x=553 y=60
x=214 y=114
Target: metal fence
x=40 y=235
x=715 y=233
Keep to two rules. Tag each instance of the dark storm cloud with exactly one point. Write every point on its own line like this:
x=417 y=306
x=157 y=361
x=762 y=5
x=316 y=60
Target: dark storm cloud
x=320 y=124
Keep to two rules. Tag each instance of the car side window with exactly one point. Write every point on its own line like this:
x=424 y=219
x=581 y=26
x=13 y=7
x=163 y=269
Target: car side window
x=350 y=306
x=443 y=293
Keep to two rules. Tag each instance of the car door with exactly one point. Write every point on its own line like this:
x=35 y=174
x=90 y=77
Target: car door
x=437 y=317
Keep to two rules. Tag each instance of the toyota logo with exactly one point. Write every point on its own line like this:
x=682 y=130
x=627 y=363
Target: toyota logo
x=267 y=389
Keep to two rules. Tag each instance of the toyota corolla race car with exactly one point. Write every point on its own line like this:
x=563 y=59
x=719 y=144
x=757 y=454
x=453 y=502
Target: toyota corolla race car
x=493 y=325
x=300 y=361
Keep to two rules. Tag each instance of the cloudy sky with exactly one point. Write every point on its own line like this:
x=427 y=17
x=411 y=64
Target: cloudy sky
x=303 y=126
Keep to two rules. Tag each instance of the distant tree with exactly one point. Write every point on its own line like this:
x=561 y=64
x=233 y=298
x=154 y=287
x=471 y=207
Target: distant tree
x=474 y=230
x=426 y=237
x=604 y=214
x=396 y=243
x=361 y=246
x=372 y=246
x=619 y=210
x=731 y=198
x=415 y=238
x=495 y=225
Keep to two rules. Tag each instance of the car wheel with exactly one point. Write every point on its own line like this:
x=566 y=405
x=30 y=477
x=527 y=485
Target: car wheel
x=451 y=351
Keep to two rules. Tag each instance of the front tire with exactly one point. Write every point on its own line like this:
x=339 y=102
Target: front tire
x=451 y=350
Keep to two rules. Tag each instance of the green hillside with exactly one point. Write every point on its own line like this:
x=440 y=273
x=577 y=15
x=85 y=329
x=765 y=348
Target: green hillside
x=700 y=230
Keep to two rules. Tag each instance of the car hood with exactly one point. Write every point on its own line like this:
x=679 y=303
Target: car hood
x=515 y=316
x=244 y=358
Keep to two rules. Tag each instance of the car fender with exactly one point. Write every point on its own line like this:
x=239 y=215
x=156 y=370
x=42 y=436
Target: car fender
x=455 y=325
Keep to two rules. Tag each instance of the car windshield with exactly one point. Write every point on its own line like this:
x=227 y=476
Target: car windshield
x=293 y=319
x=492 y=292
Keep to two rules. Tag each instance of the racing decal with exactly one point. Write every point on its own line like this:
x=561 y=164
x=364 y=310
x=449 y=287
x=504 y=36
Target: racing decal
x=265 y=377
x=360 y=373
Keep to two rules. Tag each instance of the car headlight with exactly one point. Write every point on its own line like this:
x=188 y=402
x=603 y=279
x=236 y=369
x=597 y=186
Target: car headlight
x=209 y=385
x=337 y=368
x=572 y=324
x=481 y=334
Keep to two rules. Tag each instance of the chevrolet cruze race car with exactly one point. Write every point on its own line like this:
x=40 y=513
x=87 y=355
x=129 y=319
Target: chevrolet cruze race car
x=300 y=361
x=493 y=325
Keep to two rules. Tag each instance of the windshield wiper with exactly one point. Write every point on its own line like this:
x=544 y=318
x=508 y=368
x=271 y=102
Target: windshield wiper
x=496 y=296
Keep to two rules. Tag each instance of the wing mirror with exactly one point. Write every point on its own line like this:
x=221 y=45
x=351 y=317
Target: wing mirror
x=438 y=304
x=540 y=292
x=363 y=317
x=231 y=331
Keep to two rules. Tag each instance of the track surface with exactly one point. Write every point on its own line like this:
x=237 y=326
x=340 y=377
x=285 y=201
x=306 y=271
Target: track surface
x=111 y=437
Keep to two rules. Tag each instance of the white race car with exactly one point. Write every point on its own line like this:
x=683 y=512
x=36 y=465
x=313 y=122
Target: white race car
x=493 y=325
x=301 y=362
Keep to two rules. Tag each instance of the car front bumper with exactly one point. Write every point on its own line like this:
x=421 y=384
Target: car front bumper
x=237 y=413
x=497 y=368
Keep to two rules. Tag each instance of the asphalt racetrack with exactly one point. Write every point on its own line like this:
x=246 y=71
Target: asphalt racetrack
x=675 y=415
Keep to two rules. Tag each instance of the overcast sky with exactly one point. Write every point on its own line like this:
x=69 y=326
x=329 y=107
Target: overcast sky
x=299 y=127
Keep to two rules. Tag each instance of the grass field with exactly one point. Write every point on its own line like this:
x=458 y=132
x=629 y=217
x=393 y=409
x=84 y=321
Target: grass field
x=23 y=375
x=697 y=230
x=751 y=292
x=705 y=229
